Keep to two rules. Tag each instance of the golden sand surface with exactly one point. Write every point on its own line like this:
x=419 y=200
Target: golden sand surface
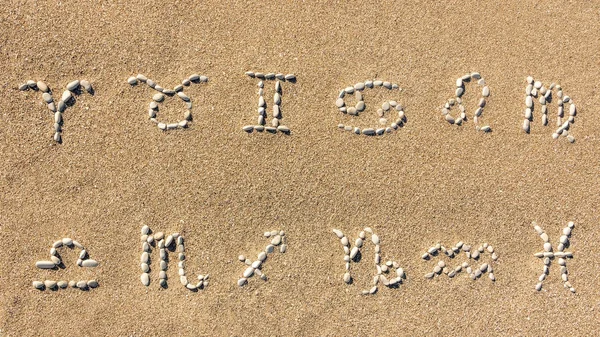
x=428 y=182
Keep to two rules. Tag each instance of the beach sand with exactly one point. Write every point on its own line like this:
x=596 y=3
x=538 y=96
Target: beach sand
x=428 y=182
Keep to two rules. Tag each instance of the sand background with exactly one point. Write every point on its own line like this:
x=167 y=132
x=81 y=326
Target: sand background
x=429 y=182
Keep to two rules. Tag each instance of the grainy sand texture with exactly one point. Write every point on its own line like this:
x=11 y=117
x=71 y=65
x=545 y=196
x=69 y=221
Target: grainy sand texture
x=428 y=182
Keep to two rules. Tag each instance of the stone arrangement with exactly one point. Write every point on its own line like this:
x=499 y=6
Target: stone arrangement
x=353 y=255
x=278 y=239
x=387 y=122
x=390 y=274
x=457 y=100
x=159 y=97
x=67 y=99
x=474 y=272
x=165 y=244
x=548 y=254
x=262 y=104
x=535 y=89
x=55 y=261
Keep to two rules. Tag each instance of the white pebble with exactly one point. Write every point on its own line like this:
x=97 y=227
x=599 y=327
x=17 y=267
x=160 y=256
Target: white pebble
x=47 y=97
x=354 y=252
x=183 y=96
x=72 y=86
x=276 y=240
x=145 y=278
x=45 y=264
x=66 y=96
x=248 y=272
x=89 y=263
x=50 y=284
x=158 y=97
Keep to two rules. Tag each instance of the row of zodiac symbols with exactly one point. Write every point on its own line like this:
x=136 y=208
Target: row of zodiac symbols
x=391 y=115
x=388 y=273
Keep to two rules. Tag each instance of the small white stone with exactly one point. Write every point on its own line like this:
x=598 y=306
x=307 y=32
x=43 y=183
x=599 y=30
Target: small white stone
x=45 y=264
x=73 y=85
x=87 y=86
x=145 y=278
x=563 y=239
x=276 y=240
x=158 y=97
x=89 y=263
x=283 y=128
x=248 y=272
x=145 y=257
x=66 y=96
x=47 y=97
x=50 y=284
x=262 y=256
x=528 y=101
x=42 y=86
x=354 y=252
x=183 y=96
